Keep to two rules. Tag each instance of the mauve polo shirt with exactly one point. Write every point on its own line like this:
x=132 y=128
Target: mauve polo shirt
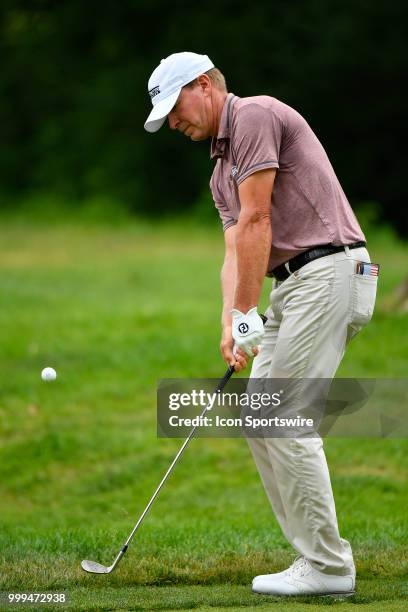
x=308 y=206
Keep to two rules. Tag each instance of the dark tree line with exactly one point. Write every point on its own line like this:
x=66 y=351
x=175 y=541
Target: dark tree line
x=74 y=93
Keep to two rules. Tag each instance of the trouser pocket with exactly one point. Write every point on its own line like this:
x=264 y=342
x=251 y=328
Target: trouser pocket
x=363 y=294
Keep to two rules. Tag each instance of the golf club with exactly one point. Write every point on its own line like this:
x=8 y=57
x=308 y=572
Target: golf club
x=93 y=567
x=96 y=568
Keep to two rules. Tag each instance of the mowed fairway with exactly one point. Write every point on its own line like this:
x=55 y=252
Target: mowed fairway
x=114 y=310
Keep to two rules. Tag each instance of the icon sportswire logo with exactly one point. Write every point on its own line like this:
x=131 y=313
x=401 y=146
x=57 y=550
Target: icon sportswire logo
x=153 y=92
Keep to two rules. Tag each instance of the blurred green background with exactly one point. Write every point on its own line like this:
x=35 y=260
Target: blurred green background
x=73 y=96
x=110 y=250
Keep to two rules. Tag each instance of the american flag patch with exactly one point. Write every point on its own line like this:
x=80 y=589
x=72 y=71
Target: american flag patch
x=367 y=269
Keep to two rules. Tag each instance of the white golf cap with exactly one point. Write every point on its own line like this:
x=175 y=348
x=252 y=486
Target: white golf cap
x=167 y=80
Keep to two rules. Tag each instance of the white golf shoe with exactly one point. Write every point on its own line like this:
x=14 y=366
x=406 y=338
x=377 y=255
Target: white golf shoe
x=302 y=579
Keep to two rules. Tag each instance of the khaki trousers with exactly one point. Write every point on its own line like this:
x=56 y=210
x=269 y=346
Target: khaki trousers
x=311 y=317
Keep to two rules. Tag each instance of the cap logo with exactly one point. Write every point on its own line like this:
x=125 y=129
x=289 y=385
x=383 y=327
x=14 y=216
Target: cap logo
x=153 y=92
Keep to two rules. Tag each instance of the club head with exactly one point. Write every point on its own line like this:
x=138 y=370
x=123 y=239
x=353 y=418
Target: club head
x=95 y=568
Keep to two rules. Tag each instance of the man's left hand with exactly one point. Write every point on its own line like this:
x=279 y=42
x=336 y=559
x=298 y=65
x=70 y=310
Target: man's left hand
x=247 y=330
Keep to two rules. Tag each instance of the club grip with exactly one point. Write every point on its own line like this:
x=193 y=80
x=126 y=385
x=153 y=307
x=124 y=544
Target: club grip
x=225 y=379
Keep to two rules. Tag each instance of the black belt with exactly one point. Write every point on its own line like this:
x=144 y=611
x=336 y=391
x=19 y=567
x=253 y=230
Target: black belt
x=283 y=271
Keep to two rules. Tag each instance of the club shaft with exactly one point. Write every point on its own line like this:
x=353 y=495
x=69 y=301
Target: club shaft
x=219 y=388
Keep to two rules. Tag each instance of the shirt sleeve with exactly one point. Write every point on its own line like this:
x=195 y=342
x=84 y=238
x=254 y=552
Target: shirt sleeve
x=226 y=216
x=256 y=142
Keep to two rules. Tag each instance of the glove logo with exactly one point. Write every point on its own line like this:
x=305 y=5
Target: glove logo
x=243 y=328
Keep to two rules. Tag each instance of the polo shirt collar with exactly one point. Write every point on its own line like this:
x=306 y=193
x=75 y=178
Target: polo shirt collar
x=218 y=142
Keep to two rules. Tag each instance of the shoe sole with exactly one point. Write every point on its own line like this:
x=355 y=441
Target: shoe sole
x=337 y=596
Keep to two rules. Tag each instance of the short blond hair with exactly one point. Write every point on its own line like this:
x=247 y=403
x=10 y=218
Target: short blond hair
x=216 y=77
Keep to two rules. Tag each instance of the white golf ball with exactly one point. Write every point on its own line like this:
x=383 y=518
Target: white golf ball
x=48 y=374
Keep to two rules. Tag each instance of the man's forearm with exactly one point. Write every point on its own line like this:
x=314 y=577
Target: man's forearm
x=253 y=245
x=228 y=282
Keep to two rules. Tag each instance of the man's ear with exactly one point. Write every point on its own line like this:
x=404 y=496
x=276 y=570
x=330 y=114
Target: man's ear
x=204 y=82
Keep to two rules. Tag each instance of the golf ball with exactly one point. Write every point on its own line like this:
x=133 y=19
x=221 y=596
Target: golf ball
x=48 y=374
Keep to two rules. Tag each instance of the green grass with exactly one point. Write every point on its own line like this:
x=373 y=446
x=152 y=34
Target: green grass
x=114 y=310
x=371 y=597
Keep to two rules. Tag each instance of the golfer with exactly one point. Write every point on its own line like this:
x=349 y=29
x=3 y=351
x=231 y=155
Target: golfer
x=285 y=216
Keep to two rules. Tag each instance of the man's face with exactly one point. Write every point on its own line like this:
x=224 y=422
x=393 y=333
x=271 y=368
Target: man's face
x=193 y=114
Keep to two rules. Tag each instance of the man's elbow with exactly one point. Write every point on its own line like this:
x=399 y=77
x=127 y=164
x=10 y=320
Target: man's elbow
x=259 y=216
